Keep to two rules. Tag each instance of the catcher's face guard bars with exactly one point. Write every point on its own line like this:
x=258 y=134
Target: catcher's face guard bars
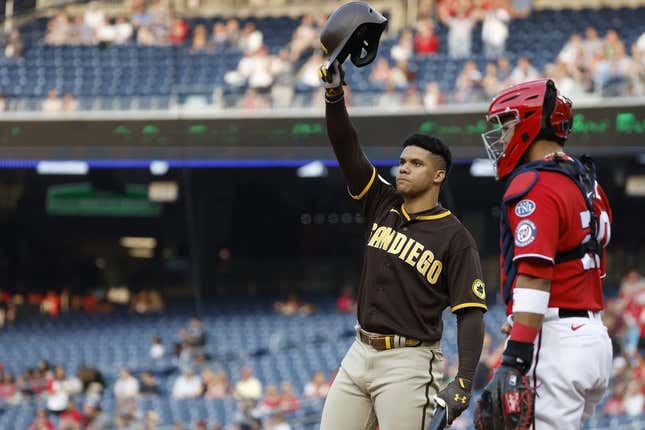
x=496 y=140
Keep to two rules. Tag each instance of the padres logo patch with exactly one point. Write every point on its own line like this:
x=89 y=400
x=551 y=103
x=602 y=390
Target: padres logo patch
x=525 y=233
x=525 y=208
x=479 y=288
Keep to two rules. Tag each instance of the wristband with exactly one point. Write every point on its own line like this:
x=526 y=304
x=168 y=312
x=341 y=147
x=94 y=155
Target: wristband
x=523 y=333
x=530 y=300
x=334 y=95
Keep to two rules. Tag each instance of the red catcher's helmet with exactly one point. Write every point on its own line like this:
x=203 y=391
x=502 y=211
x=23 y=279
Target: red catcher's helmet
x=519 y=115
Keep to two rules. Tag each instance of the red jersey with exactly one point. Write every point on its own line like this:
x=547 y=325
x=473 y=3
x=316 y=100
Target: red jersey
x=553 y=218
x=426 y=45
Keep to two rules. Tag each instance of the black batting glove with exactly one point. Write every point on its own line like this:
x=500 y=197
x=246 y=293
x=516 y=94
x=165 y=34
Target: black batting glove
x=454 y=398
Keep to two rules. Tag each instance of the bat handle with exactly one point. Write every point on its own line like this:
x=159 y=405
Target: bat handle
x=439 y=419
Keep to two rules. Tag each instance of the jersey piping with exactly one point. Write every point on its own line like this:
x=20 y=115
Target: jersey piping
x=367 y=187
x=468 y=305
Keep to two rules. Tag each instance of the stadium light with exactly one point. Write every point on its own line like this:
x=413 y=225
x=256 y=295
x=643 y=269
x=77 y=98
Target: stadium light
x=141 y=252
x=315 y=169
x=138 y=242
x=482 y=168
x=163 y=191
x=635 y=186
x=158 y=168
x=62 y=168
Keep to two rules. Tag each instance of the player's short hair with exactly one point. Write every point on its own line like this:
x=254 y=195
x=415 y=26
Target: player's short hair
x=432 y=144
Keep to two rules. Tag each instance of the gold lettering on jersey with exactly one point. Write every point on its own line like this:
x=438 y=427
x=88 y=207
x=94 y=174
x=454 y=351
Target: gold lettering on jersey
x=434 y=272
x=414 y=254
x=374 y=227
x=407 y=247
x=376 y=237
x=387 y=238
x=408 y=250
x=397 y=243
x=425 y=261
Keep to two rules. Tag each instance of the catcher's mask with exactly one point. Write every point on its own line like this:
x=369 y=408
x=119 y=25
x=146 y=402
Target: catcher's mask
x=354 y=30
x=521 y=114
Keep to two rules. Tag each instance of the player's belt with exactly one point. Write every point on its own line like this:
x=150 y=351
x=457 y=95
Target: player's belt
x=573 y=313
x=383 y=342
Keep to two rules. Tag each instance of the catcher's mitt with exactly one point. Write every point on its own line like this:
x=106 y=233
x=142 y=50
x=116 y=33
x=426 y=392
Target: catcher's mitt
x=506 y=403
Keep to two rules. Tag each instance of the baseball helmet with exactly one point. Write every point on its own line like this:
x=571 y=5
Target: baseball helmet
x=354 y=30
x=521 y=114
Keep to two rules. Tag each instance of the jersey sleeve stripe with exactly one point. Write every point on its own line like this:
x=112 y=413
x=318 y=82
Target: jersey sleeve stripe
x=367 y=187
x=469 y=305
x=543 y=257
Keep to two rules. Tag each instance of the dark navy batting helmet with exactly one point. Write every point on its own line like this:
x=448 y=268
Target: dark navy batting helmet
x=353 y=30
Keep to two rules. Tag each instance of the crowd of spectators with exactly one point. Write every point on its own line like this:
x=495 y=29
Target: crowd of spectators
x=74 y=401
x=146 y=24
x=195 y=375
x=588 y=65
x=54 y=303
x=625 y=320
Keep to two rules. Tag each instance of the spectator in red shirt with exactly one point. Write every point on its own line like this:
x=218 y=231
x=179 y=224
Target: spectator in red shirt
x=8 y=390
x=71 y=418
x=614 y=405
x=38 y=382
x=41 y=422
x=289 y=402
x=425 y=41
x=178 y=31
x=346 y=302
x=270 y=403
x=50 y=304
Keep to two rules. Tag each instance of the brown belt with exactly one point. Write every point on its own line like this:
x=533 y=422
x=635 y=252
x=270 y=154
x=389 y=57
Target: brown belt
x=382 y=342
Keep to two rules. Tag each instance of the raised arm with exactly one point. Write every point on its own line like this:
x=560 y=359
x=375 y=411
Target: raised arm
x=355 y=166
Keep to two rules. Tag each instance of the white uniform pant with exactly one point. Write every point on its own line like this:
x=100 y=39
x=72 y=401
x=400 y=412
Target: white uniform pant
x=393 y=388
x=571 y=370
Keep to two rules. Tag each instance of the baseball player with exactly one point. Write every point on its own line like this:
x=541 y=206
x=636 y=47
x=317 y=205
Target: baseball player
x=419 y=259
x=556 y=222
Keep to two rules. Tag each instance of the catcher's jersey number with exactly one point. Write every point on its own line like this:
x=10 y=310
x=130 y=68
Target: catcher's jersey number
x=408 y=250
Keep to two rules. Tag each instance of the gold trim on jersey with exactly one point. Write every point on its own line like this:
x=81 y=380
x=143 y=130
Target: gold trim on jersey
x=469 y=305
x=425 y=217
x=436 y=216
x=405 y=213
x=367 y=187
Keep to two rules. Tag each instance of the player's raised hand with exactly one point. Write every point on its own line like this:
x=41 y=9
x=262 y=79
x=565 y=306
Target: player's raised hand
x=332 y=77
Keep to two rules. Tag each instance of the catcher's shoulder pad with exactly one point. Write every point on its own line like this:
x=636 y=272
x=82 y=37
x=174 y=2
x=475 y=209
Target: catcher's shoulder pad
x=520 y=185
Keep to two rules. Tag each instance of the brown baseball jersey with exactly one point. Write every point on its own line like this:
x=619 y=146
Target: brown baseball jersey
x=414 y=266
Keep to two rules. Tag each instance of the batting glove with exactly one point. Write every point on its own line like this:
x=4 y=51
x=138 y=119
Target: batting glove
x=454 y=398
x=332 y=80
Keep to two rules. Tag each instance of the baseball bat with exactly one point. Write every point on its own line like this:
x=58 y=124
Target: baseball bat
x=439 y=419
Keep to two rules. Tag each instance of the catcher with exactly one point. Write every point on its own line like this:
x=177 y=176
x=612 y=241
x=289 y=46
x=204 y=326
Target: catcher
x=555 y=225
